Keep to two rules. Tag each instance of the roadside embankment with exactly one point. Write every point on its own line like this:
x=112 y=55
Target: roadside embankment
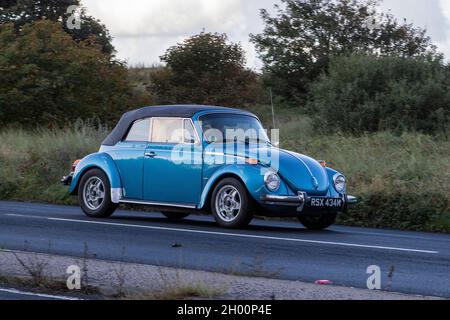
x=116 y=280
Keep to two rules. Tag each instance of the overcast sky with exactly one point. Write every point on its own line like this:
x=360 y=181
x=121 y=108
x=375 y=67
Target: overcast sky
x=144 y=29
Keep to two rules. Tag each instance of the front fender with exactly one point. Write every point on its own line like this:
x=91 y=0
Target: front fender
x=331 y=173
x=105 y=163
x=251 y=175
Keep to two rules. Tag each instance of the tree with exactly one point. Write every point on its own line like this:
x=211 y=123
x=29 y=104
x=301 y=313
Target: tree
x=205 y=69
x=21 y=12
x=371 y=93
x=48 y=79
x=298 y=42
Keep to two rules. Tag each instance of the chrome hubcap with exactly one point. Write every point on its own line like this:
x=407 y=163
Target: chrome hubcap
x=94 y=193
x=228 y=203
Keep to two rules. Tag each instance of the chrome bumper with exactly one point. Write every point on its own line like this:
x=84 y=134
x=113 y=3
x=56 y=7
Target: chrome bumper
x=351 y=200
x=300 y=200
x=67 y=180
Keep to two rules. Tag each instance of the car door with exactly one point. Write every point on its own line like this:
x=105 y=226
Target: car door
x=129 y=158
x=173 y=163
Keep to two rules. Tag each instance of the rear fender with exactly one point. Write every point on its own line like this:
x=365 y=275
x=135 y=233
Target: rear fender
x=104 y=162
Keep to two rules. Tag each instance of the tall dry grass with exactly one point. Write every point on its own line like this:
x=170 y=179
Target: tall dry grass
x=32 y=162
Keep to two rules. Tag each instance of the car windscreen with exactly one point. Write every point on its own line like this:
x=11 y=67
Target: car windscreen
x=229 y=128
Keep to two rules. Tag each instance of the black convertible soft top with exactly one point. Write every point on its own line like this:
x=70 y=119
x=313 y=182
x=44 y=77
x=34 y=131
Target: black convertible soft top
x=175 y=111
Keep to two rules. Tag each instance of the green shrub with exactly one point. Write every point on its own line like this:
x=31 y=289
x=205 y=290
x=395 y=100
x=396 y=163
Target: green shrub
x=48 y=79
x=205 y=69
x=367 y=94
x=405 y=211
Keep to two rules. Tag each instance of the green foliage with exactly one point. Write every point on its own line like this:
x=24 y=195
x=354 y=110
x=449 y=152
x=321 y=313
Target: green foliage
x=32 y=162
x=49 y=79
x=297 y=43
x=369 y=93
x=404 y=211
x=205 y=69
x=26 y=11
x=140 y=79
x=22 y=12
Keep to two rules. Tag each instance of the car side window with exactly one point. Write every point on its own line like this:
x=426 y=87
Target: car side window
x=167 y=130
x=140 y=131
x=189 y=133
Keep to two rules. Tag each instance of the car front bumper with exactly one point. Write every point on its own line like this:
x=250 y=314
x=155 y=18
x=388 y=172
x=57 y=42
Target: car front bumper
x=67 y=180
x=302 y=202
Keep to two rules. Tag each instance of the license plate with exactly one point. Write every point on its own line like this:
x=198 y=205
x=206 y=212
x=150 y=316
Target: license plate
x=326 y=203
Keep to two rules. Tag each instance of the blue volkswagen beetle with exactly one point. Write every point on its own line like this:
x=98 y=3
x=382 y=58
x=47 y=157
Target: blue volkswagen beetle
x=184 y=159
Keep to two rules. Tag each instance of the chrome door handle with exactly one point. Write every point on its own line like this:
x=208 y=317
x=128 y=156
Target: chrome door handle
x=150 y=154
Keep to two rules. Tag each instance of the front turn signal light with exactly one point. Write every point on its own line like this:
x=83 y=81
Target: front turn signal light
x=252 y=162
x=323 y=163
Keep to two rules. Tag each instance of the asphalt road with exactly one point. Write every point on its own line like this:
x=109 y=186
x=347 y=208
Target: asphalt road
x=284 y=250
x=13 y=294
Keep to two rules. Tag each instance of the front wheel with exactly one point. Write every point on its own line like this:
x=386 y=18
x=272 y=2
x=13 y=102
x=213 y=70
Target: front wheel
x=94 y=195
x=231 y=204
x=318 y=222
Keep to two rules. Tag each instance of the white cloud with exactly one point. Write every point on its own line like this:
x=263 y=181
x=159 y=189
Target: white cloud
x=434 y=15
x=144 y=29
x=159 y=17
x=444 y=45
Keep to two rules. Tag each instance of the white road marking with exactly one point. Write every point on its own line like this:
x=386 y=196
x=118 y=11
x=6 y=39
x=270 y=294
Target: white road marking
x=232 y=234
x=40 y=295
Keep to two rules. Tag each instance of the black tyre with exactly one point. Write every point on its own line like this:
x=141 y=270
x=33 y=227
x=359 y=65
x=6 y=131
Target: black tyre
x=318 y=222
x=231 y=204
x=94 y=195
x=174 y=216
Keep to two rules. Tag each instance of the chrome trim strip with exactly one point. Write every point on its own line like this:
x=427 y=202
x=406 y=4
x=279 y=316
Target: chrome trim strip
x=199 y=141
x=162 y=204
x=222 y=154
x=273 y=198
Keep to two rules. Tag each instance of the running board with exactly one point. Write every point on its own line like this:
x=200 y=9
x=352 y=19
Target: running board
x=159 y=204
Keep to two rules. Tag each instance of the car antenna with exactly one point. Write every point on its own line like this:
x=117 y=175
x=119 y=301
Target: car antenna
x=273 y=109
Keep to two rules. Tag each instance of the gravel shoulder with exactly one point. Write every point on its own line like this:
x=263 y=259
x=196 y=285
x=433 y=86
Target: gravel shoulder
x=137 y=281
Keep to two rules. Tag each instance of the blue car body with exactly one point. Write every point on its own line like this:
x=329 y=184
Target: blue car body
x=135 y=177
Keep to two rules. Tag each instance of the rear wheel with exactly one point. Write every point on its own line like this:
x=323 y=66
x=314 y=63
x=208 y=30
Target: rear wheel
x=318 y=222
x=174 y=216
x=231 y=204
x=94 y=195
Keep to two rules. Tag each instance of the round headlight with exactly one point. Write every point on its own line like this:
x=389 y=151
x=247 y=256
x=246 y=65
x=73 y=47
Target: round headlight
x=272 y=181
x=340 y=183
